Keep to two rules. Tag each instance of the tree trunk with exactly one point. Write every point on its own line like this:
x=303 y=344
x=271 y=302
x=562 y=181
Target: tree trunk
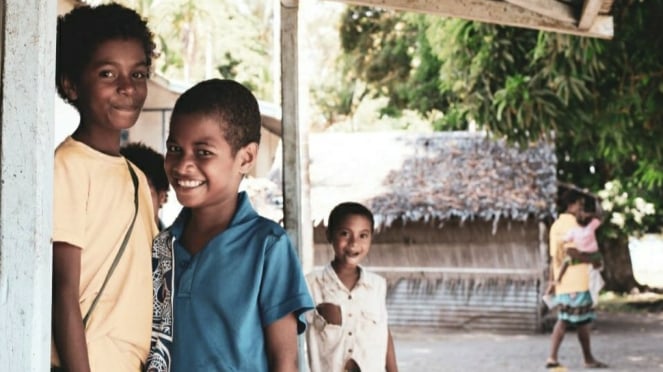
x=618 y=270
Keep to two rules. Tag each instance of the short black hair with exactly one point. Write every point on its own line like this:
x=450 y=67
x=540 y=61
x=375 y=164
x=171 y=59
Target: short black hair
x=83 y=29
x=343 y=210
x=149 y=161
x=231 y=103
x=584 y=220
x=569 y=197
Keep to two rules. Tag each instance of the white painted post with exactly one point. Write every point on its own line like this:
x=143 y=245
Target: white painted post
x=26 y=187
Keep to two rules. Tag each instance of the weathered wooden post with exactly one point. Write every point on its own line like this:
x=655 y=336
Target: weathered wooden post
x=26 y=187
x=296 y=185
x=296 y=201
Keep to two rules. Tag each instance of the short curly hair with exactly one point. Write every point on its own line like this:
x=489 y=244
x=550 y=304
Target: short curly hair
x=82 y=30
x=149 y=161
x=231 y=102
x=341 y=211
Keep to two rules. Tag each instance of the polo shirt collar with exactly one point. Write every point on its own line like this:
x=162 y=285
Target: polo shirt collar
x=244 y=212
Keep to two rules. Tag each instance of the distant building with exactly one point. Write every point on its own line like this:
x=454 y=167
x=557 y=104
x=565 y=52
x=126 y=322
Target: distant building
x=462 y=238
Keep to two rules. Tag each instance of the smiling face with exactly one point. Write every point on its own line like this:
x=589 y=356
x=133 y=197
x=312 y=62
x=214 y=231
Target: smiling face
x=112 y=87
x=200 y=164
x=351 y=240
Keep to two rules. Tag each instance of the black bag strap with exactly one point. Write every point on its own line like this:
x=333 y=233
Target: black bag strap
x=134 y=179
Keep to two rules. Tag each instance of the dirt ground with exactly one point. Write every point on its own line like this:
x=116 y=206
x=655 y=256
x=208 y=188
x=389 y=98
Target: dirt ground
x=626 y=341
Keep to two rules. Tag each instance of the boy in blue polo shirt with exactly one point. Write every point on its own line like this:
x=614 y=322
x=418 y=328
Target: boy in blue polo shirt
x=229 y=292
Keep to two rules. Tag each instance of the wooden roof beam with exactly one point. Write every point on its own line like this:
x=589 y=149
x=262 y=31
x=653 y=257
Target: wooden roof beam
x=590 y=10
x=550 y=8
x=490 y=11
x=606 y=7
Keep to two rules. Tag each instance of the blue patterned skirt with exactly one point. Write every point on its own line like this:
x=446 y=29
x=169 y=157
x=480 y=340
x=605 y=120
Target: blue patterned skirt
x=575 y=308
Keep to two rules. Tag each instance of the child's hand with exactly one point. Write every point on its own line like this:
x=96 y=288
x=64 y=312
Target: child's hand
x=330 y=312
x=551 y=288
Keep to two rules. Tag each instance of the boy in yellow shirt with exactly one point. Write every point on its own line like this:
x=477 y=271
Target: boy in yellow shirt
x=103 y=59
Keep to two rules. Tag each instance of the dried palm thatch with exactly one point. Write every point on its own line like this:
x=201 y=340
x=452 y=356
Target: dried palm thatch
x=431 y=177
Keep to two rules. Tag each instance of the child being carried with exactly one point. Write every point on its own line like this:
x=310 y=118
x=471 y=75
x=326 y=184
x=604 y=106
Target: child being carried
x=583 y=239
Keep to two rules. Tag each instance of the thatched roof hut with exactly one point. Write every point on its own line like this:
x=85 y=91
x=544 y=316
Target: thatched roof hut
x=431 y=177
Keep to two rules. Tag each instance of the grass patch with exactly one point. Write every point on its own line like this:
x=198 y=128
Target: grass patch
x=636 y=302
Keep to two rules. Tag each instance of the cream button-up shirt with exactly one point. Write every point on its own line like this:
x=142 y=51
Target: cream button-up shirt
x=363 y=333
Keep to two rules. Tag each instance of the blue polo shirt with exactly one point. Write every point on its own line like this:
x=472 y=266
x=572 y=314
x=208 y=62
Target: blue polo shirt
x=243 y=280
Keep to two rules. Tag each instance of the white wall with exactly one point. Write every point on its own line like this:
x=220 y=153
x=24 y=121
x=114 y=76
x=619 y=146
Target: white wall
x=26 y=190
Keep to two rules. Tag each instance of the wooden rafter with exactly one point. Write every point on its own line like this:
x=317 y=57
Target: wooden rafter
x=497 y=12
x=606 y=6
x=550 y=8
x=590 y=10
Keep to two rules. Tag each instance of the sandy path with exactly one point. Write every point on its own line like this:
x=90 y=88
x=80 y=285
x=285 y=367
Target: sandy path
x=626 y=341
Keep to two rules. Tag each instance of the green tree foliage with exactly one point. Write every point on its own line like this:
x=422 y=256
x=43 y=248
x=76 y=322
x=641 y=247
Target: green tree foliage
x=600 y=100
x=388 y=50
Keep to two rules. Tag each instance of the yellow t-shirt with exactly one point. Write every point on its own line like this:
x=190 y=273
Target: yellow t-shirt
x=576 y=277
x=92 y=209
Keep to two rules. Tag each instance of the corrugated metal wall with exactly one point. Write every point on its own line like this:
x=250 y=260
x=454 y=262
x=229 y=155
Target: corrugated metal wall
x=493 y=305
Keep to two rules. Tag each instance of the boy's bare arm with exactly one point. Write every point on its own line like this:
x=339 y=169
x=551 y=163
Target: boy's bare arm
x=392 y=366
x=68 y=331
x=281 y=341
x=582 y=256
x=330 y=312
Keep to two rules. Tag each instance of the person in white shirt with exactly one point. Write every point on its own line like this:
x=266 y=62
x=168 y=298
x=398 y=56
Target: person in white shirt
x=348 y=331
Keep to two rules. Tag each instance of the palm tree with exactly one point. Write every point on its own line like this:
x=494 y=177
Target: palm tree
x=186 y=26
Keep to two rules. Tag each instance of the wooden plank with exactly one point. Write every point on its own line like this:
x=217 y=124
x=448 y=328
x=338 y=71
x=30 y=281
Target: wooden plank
x=590 y=10
x=489 y=11
x=606 y=6
x=550 y=8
